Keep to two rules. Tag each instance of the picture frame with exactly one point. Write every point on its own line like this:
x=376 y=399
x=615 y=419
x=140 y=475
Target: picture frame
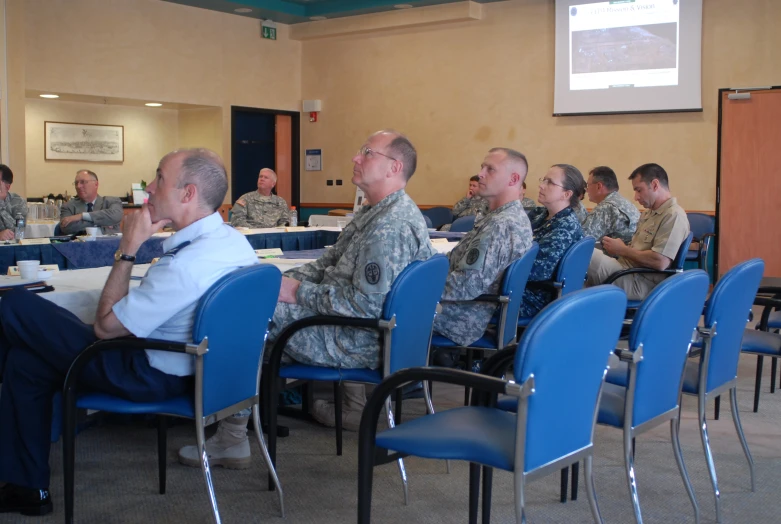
x=84 y=142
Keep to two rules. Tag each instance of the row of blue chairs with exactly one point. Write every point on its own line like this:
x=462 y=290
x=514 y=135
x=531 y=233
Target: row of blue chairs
x=556 y=397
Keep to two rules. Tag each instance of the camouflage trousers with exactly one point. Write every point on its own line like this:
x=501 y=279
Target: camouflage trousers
x=331 y=346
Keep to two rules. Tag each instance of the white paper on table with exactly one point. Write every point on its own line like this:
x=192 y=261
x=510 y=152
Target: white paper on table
x=445 y=247
x=8 y=281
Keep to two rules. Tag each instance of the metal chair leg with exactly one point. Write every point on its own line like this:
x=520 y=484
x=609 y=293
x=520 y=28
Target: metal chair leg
x=716 y=407
x=709 y=456
x=267 y=459
x=733 y=404
x=591 y=493
x=488 y=476
x=474 y=491
x=200 y=438
x=574 y=481
x=430 y=409
x=520 y=497
x=564 y=484
x=631 y=479
x=675 y=425
x=162 y=445
x=400 y=461
x=758 y=382
x=773 y=368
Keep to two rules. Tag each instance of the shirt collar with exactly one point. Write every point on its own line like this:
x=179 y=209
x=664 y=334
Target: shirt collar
x=367 y=213
x=188 y=234
x=664 y=207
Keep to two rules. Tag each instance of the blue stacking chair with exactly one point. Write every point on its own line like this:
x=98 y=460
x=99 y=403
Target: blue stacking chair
x=405 y=330
x=765 y=340
x=703 y=228
x=676 y=266
x=570 y=273
x=559 y=367
x=656 y=358
x=229 y=332
x=504 y=333
x=463 y=224
x=429 y=223
x=439 y=216
x=716 y=370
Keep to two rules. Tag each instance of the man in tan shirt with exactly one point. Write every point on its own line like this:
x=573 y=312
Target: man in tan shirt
x=662 y=228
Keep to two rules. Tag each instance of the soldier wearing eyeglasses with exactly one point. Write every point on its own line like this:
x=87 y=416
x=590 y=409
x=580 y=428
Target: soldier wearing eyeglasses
x=11 y=204
x=88 y=209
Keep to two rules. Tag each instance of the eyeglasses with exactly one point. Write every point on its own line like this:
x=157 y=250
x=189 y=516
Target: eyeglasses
x=548 y=182
x=78 y=183
x=367 y=151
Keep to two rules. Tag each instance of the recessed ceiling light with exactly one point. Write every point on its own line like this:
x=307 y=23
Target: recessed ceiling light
x=242 y=10
x=402 y=6
x=153 y=104
x=317 y=18
x=49 y=96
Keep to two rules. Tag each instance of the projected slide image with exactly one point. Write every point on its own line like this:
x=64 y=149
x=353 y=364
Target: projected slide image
x=625 y=48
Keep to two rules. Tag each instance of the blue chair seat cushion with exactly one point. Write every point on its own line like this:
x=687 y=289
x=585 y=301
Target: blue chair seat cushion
x=304 y=372
x=611 y=405
x=774 y=320
x=761 y=342
x=181 y=406
x=474 y=434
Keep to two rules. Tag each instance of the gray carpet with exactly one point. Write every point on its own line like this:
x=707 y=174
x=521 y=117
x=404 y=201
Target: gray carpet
x=116 y=476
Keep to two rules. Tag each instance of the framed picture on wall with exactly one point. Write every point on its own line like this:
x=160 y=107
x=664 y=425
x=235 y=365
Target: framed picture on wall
x=86 y=142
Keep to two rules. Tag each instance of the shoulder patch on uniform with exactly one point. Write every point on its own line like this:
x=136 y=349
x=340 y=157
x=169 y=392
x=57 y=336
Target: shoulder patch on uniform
x=472 y=256
x=241 y=203
x=372 y=272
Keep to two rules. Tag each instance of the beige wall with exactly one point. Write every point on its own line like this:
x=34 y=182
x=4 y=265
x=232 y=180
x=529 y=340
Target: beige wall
x=459 y=89
x=157 y=51
x=150 y=133
x=201 y=128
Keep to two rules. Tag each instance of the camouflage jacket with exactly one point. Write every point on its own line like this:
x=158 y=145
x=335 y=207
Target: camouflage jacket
x=352 y=278
x=257 y=211
x=9 y=207
x=470 y=206
x=554 y=237
x=528 y=203
x=477 y=266
x=581 y=212
x=615 y=217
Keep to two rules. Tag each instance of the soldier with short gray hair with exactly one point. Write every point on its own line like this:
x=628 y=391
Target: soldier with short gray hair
x=261 y=209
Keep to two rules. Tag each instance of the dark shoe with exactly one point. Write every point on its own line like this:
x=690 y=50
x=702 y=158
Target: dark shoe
x=27 y=501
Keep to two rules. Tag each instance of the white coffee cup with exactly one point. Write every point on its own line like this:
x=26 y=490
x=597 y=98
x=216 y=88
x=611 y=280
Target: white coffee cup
x=93 y=231
x=28 y=269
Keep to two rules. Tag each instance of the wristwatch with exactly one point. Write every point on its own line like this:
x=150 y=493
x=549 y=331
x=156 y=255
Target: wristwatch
x=119 y=255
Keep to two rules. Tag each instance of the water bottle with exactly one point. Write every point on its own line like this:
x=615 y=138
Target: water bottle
x=19 y=232
x=293 y=216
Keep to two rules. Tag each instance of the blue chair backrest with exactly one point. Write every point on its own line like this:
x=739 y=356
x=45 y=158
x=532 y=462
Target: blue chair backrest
x=513 y=284
x=463 y=224
x=429 y=223
x=573 y=265
x=728 y=307
x=413 y=299
x=664 y=325
x=439 y=215
x=680 y=257
x=701 y=224
x=234 y=313
x=566 y=347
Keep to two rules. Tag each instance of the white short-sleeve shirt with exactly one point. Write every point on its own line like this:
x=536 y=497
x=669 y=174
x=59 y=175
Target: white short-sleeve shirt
x=163 y=306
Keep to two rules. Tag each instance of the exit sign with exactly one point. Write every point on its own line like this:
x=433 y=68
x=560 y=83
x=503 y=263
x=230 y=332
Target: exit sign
x=268 y=29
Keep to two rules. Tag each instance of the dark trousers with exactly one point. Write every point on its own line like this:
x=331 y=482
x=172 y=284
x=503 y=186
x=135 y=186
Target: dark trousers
x=38 y=342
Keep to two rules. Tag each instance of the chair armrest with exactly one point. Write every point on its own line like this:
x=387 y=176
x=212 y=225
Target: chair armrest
x=771 y=302
x=544 y=285
x=625 y=355
x=498 y=299
x=769 y=290
x=633 y=270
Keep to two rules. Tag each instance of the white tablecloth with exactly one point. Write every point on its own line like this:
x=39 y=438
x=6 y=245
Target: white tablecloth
x=42 y=229
x=327 y=220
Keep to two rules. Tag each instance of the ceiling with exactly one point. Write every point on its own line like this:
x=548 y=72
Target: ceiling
x=298 y=11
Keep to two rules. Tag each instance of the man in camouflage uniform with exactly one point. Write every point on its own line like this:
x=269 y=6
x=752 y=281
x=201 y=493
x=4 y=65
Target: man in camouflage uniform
x=527 y=203
x=614 y=216
x=351 y=279
x=10 y=204
x=471 y=204
x=260 y=208
x=478 y=262
x=661 y=230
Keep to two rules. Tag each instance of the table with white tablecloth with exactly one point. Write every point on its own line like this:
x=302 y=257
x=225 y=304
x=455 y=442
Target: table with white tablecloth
x=40 y=229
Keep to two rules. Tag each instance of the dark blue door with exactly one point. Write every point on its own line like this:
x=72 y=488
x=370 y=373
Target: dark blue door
x=253 y=149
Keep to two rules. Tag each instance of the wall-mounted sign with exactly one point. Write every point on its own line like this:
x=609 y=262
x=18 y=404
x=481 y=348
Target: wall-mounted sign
x=314 y=159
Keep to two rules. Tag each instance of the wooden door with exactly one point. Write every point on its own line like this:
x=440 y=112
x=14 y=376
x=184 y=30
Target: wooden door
x=749 y=204
x=284 y=157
